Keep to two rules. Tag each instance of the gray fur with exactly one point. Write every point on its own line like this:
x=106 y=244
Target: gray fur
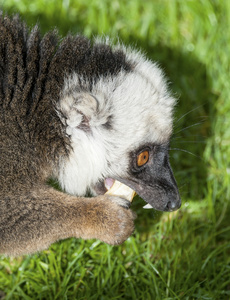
x=79 y=112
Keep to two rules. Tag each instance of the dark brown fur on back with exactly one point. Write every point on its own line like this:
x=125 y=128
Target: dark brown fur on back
x=32 y=72
x=32 y=139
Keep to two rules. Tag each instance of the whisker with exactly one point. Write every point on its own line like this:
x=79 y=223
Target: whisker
x=189 y=112
x=190 y=126
x=182 y=190
x=186 y=151
x=182 y=185
x=173 y=138
x=190 y=142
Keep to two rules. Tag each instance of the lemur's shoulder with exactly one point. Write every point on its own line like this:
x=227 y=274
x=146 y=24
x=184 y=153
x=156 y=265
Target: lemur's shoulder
x=34 y=68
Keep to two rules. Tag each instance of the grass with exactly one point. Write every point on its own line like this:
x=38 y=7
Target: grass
x=182 y=255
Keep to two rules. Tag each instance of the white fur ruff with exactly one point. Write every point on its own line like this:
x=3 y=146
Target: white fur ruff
x=141 y=111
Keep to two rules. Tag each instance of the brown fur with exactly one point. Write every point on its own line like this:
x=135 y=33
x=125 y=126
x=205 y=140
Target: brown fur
x=32 y=140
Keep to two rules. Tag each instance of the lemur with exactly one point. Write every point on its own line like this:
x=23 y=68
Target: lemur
x=82 y=112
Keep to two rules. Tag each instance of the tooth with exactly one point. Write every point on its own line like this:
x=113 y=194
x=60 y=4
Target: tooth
x=147 y=206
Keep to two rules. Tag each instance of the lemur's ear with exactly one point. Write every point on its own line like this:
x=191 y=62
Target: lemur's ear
x=78 y=110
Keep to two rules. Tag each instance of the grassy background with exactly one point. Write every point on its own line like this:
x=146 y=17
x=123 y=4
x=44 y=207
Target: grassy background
x=182 y=255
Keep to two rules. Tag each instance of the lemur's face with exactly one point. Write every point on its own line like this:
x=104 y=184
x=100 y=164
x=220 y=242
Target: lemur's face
x=150 y=175
x=120 y=128
x=152 y=178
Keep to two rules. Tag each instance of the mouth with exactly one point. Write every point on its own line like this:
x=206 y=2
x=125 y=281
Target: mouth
x=105 y=185
x=102 y=186
x=108 y=183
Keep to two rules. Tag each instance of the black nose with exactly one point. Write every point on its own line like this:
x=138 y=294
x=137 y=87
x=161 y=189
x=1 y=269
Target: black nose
x=173 y=205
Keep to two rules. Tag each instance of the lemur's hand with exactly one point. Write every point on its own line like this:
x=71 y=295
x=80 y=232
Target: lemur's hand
x=109 y=219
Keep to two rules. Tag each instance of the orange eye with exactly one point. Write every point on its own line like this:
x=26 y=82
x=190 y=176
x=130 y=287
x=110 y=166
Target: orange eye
x=142 y=158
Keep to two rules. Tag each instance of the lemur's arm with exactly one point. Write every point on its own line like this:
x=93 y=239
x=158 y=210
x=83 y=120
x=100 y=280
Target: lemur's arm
x=34 y=220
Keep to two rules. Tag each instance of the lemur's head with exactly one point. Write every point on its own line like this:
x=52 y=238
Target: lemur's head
x=119 y=124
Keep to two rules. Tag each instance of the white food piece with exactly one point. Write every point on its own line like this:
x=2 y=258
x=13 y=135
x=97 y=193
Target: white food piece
x=121 y=190
x=147 y=206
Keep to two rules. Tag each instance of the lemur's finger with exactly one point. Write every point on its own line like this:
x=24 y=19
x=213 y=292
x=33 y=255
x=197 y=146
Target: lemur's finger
x=120 y=201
